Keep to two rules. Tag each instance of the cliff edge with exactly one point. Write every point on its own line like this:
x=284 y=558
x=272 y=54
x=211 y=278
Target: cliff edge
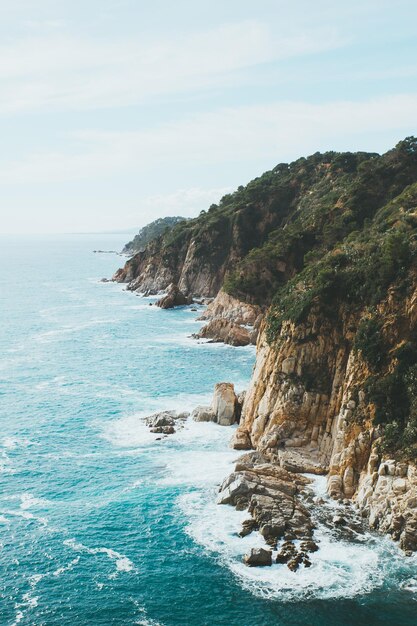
x=319 y=256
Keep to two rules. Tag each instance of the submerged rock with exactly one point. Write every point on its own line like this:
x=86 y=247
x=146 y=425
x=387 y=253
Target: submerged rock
x=293 y=557
x=165 y=430
x=309 y=546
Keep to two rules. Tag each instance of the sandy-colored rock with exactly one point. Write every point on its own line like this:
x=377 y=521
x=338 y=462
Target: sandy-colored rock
x=272 y=496
x=221 y=330
x=229 y=308
x=203 y=414
x=307 y=409
x=224 y=404
x=241 y=440
x=231 y=321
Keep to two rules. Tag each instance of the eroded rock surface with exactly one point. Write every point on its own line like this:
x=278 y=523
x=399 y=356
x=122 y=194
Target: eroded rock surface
x=258 y=557
x=221 y=330
x=274 y=498
x=229 y=308
x=173 y=298
x=230 y=321
x=225 y=404
x=307 y=409
x=203 y=414
x=225 y=408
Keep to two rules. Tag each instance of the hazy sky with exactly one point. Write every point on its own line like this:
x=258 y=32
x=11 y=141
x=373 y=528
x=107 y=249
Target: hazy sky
x=115 y=112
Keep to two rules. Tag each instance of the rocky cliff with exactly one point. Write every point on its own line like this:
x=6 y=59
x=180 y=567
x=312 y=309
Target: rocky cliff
x=201 y=254
x=309 y=409
x=260 y=236
x=328 y=247
x=335 y=384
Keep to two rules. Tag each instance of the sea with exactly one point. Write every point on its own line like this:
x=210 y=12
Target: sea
x=105 y=523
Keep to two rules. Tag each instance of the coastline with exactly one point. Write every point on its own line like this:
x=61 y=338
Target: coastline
x=383 y=485
x=292 y=547
x=77 y=399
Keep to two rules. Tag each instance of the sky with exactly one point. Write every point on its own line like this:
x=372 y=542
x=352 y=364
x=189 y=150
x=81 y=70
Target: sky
x=116 y=112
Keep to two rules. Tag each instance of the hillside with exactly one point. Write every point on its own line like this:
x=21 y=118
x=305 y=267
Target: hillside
x=327 y=246
x=263 y=234
x=149 y=232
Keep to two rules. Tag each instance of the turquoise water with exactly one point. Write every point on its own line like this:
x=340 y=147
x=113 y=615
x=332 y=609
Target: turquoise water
x=102 y=524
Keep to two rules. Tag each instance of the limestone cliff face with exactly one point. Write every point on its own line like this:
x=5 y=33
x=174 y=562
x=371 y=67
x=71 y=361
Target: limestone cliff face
x=157 y=267
x=232 y=309
x=231 y=321
x=149 y=270
x=307 y=408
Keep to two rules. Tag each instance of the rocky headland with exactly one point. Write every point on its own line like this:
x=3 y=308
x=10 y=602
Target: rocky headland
x=315 y=262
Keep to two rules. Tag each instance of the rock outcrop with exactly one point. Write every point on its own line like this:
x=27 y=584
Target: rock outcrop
x=225 y=409
x=387 y=495
x=226 y=307
x=224 y=405
x=258 y=557
x=223 y=331
x=308 y=410
x=173 y=298
x=274 y=498
x=166 y=422
x=203 y=414
x=230 y=321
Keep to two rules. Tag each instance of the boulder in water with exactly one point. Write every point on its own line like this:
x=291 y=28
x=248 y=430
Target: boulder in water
x=225 y=404
x=258 y=557
x=173 y=298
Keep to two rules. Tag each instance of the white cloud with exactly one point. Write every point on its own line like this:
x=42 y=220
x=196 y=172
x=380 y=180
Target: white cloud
x=185 y=202
x=68 y=72
x=234 y=135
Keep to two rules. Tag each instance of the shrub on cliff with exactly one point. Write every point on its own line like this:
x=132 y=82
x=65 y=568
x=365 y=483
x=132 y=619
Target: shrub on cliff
x=369 y=341
x=150 y=232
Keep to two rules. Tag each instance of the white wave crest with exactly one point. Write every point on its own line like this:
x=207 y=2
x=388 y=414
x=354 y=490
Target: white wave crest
x=339 y=569
x=123 y=563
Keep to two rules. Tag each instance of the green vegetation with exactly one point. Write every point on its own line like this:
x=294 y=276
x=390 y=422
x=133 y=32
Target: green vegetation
x=366 y=252
x=358 y=271
x=150 y=232
x=394 y=395
x=333 y=233
x=370 y=342
x=339 y=200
